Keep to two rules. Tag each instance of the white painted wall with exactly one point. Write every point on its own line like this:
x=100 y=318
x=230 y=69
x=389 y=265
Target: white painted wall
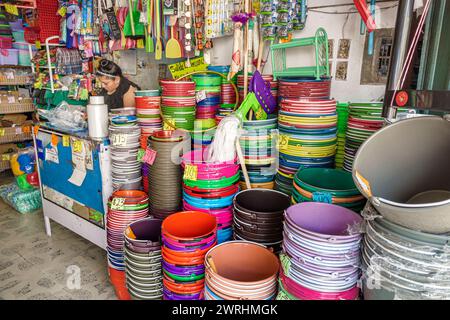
x=351 y=89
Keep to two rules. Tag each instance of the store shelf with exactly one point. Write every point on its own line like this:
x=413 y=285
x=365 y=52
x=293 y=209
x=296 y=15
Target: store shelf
x=4 y=164
x=19 y=107
x=16 y=134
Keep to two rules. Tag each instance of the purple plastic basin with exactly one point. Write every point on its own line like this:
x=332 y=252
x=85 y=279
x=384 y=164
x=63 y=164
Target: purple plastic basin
x=147 y=232
x=323 y=220
x=168 y=295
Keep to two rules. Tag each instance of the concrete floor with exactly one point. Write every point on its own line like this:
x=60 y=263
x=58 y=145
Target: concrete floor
x=34 y=266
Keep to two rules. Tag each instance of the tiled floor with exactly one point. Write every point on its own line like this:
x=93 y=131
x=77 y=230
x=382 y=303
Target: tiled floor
x=35 y=266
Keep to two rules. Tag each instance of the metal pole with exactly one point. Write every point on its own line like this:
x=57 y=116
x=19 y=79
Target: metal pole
x=399 y=51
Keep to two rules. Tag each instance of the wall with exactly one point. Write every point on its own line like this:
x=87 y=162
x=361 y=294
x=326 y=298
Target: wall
x=337 y=28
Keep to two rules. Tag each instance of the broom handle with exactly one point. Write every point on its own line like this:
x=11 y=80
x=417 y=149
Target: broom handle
x=246 y=9
x=130 y=10
x=242 y=162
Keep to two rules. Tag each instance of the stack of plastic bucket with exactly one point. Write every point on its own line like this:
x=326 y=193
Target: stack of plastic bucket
x=342 y=111
x=148 y=104
x=297 y=88
x=125 y=207
x=403 y=170
x=178 y=103
x=321 y=252
x=125 y=134
x=186 y=238
x=259 y=150
x=143 y=259
x=241 y=270
x=165 y=173
x=364 y=120
x=227 y=93
x=258 y=216
x=327 y=185
x=307 y=137
x=210 y=187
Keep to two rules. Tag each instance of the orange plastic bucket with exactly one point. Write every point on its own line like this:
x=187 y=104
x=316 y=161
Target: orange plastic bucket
x=189 y=225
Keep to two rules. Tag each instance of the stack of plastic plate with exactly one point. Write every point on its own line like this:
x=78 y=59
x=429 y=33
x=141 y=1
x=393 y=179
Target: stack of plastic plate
x=165 y=174
x=321 y=252
x=364 y=120
x=307 y=137
x=143 y=259
x=342 y=111
x=124 y=134
x=241 y=270
x=210 y=187
x=258 y=216
x=259 y=150
x=186 y=238
x=327 y=185
x=268 y=78
x=296 y=88
x=148 y=113
x=125 y=207
x=178 y=102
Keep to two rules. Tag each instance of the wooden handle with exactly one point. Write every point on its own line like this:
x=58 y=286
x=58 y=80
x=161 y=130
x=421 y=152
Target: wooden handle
x=242 y=161
x=212 y=264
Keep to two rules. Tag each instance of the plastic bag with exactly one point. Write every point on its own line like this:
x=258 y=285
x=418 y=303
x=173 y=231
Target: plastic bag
x=66 y=117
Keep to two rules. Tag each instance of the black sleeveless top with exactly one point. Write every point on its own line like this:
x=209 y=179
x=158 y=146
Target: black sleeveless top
x=115 y=100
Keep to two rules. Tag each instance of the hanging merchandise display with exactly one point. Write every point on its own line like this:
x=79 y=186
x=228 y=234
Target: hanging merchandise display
x=178 y=101
x=210 y=187
x=241 y=270
x=148 y=113
x=164 y=151
x=329 y=186
x=307 y=137
x=186 y=238
x=258 y=143
x=280 y=18
x=143 y=259
x=342 y=111
x=124 y=207
x=364 y=119
x=258 y=217
x=326 y=239
x=125 y=134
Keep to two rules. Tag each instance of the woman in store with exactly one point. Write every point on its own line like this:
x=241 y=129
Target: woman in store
x=117 y=90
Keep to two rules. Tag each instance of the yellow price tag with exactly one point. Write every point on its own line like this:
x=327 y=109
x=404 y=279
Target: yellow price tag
x=6 y=157
x=12 y=9
x=65 y=141
x=190 y=172
x=117 y=203
x=119 y=140
x=167 y=122
x=364 y=183
x=62 y=11
x=38 y=45
x=77 y=146
x=2 y=132
x=284 y=142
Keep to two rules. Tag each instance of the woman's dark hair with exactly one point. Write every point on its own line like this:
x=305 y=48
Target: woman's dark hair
x=109 y=68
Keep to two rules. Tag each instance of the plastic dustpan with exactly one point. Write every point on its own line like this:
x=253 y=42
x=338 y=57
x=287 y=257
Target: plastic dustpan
x=133 y=28
x=263 y=93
